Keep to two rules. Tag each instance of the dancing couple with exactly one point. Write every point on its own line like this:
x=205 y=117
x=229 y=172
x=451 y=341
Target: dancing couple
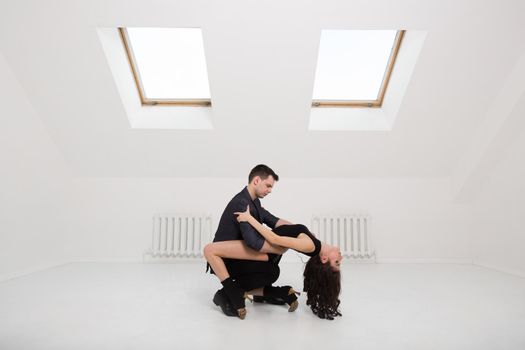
x=245 y=255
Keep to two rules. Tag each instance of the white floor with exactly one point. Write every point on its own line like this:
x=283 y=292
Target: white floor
x=168 y=306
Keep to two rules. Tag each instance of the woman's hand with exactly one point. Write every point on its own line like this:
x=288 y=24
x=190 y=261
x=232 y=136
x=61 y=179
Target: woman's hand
x=243 y=215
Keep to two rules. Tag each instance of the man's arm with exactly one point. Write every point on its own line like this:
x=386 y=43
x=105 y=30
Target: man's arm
x=252 y=238
x=249 y=234
x=271 y=220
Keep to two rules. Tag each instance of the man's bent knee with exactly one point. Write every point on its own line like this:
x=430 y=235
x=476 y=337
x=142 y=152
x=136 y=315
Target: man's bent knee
x=274 y=273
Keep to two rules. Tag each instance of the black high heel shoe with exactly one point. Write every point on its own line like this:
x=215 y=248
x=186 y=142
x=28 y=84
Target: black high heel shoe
x=221 y=299
x=236 y=295
x=284 y=293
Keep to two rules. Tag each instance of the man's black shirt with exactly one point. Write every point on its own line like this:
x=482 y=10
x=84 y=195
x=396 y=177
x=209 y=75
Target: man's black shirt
x=230 y=229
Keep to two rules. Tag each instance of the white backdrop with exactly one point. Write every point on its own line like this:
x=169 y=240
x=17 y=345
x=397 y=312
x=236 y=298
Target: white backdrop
x=498 y=234
x=48 y=216
x=33 y=185
x=412 y=220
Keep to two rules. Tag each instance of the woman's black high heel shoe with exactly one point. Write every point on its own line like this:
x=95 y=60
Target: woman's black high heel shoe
x=285 y=293
x=236 y=295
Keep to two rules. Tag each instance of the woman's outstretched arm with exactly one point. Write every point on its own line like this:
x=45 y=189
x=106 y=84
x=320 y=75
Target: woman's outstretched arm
x=272 y=248
x=300 y=244
x=214 y=252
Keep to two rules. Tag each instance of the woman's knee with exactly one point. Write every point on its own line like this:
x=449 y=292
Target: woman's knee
x=208 y=250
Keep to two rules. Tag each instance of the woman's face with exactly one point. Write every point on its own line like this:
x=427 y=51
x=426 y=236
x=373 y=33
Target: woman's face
x=334 y=257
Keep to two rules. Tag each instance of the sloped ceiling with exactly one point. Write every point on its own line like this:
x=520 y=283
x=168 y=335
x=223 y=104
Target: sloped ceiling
x=261 y=61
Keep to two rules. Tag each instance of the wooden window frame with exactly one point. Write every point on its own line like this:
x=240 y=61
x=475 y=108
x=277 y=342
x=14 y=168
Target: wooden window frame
x=140 y=88
x=382 y=90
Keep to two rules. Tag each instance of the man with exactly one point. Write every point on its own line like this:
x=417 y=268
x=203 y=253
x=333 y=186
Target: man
x=247 y=275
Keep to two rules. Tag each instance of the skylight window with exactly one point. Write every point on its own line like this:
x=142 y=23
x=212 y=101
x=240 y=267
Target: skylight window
x=168 y=64
x=354 y=67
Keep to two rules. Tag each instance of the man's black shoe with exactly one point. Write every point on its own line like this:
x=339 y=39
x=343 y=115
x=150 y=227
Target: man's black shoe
x=220 y=299
x=268 y=300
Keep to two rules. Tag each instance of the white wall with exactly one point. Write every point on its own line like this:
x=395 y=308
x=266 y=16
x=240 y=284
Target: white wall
x=33 y=182
x=499 y=230
x=48 y=217
x=413 y=220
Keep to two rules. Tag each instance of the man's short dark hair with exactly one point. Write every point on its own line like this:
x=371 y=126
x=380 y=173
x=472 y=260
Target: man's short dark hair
x=263 y=171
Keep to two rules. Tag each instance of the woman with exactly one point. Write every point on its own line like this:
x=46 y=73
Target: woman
x=322 y=278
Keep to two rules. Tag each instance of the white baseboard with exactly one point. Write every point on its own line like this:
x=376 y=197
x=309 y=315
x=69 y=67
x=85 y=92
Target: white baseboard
x=106 y=260
x=514 y=272
x=28 y=271
x=467 y=261
x=132 y=260
x=148 y=259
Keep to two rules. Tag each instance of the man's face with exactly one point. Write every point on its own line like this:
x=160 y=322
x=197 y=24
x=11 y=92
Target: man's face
x=263 y=187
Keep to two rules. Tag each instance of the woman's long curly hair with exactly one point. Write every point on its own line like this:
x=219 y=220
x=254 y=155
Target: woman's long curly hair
x=322 y=286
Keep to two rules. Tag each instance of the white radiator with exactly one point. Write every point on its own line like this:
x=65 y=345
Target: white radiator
x=351 y=233
x=179 y=235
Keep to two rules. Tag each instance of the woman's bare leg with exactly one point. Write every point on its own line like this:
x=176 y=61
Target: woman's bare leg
x=214 y=252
